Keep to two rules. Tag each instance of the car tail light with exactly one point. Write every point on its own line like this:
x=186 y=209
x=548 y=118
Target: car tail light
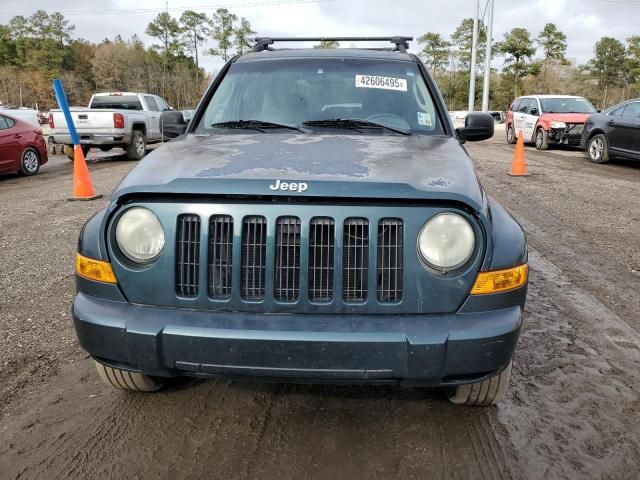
x=51 y=125
x=118 y=120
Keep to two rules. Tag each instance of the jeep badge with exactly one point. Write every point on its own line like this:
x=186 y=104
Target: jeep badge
x=289 y=186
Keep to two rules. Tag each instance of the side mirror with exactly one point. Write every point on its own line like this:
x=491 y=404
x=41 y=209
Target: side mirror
x=534 y=112
x=172 y=124
x=477 y=126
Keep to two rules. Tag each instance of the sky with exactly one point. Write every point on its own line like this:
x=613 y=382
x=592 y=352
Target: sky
x=583 y=21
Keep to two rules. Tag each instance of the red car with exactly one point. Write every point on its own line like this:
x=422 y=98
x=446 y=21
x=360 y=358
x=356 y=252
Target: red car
x=547 y=120
x=22 y=146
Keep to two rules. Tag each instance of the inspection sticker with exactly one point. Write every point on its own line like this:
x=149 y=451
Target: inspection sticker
x=386 y=83
x=424 y=119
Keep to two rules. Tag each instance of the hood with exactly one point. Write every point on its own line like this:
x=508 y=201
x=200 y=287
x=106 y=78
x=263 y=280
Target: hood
x=566 y=117
x=361 y=166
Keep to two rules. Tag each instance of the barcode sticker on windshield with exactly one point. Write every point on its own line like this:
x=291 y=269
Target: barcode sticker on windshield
x=386 y=83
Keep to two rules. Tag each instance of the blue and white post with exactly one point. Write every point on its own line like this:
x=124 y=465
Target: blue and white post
x=82 y=186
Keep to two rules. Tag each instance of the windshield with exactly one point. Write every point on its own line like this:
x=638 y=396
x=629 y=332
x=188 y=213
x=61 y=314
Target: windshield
x=295 y=91
x=566 y=105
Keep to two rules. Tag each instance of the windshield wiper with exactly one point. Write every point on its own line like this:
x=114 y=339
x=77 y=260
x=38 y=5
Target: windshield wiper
x=259 y=125
x=353 y=124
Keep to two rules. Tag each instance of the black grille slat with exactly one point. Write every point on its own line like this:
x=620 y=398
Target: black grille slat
x=188 y=255
x=389 y=263
x=355 y=260
x=321 y=259
x=220 y=256
x=287 y=261
x=254 y=254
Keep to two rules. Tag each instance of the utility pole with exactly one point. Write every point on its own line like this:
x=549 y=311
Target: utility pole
x=166 y=47
x=474 y=53
x=487 y=61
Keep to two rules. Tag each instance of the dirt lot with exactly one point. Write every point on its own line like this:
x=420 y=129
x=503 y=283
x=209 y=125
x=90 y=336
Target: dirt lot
x=572 y=411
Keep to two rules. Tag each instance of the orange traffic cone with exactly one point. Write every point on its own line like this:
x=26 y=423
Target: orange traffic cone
x=82 y=186
x=518 y=166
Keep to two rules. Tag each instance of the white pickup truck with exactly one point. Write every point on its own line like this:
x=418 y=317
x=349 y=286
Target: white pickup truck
x=115 y=119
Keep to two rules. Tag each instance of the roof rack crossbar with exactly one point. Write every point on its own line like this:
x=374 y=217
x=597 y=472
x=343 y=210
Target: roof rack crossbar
x=401 y=43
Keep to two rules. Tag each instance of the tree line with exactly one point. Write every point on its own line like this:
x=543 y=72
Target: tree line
x=531 y=64
x=36 y=49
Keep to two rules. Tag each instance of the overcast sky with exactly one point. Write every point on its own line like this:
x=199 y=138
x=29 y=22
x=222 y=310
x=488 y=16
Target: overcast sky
x=583 y=21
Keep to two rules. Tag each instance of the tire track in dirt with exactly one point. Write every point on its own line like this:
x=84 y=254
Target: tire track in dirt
x=575 y=382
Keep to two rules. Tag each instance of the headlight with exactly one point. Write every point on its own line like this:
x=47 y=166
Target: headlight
x=558 y=125
x=446 y=241
x=140 y=235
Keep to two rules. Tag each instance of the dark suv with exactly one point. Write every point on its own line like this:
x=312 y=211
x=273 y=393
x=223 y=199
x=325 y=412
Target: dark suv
x=318 y=220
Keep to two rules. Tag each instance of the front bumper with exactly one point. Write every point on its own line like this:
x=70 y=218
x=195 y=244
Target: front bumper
x=570 y=135
x=426 y=350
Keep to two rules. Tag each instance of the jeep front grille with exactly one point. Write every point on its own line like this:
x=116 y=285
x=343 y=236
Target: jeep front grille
x=188 y=255
x=254 y=258
x=282 y=258
x=220 y=256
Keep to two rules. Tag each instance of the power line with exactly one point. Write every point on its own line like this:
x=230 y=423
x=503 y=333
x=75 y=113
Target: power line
x=234 y=5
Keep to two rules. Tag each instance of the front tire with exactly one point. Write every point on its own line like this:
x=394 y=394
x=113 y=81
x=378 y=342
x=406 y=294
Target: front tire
x=541 y=139
x=598 y=149
x=137 y=147
x=29 y=162
x=487 y=392
x=125 y=380
x=511 y=135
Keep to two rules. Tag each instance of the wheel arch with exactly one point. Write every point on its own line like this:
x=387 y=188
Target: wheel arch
x=140 y=126
x=595 y=131
x=540 y=124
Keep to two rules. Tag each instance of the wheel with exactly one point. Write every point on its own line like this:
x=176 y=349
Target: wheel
x=137 y=146
x=598 y=149
x=125 y=380
x=511 y=136
x=541 y=139
x=487 y=392
x=30 y=162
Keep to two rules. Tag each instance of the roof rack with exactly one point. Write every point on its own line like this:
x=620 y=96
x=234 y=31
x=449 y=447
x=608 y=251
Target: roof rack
x=401 y=43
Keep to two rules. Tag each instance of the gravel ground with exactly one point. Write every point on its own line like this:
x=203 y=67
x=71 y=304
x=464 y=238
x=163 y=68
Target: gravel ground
x=572 y=411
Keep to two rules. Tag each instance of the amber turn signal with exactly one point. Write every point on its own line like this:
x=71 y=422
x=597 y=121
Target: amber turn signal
x=500 y=280
x=96 y=270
